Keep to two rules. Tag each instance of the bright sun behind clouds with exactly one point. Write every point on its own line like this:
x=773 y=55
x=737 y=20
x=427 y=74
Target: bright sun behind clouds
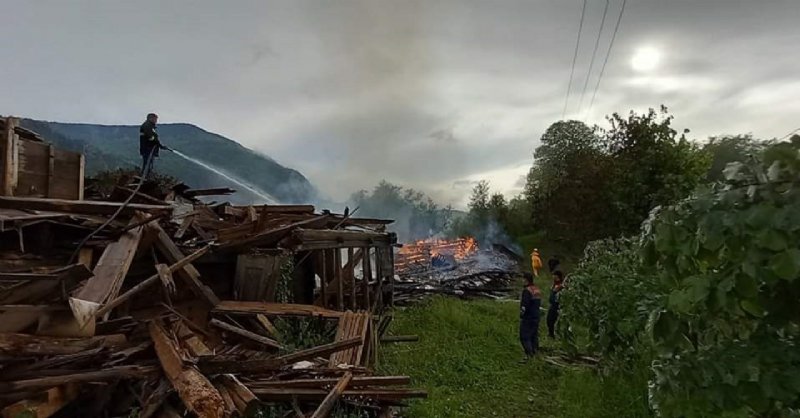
x=645 y=59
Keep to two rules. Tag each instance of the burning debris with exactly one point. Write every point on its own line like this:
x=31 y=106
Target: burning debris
x=454 y=267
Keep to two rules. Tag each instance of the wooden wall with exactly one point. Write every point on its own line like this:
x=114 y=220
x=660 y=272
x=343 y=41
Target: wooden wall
x=36 y=168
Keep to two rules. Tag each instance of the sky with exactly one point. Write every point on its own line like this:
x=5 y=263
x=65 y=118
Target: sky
x=433 y=94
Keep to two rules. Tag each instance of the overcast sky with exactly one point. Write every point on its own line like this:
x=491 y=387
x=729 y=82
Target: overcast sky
x=428 y=94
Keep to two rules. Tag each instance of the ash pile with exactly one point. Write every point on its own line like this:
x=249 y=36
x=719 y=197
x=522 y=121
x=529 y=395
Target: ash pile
x=455 y=267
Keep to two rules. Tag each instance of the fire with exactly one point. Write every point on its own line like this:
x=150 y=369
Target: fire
x=422 y=252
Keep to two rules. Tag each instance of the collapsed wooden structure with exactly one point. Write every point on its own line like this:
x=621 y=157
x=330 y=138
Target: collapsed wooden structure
x=175 y=306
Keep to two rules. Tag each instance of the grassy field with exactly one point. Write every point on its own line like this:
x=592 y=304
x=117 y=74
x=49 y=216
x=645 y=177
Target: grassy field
x=467 y=360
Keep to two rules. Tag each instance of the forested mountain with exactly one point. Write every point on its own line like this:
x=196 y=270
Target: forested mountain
x=114 y=146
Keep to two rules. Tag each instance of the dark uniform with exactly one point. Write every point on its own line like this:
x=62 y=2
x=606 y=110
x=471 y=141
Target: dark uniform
x=552 y=311
x=148 y=144
x=529 y=305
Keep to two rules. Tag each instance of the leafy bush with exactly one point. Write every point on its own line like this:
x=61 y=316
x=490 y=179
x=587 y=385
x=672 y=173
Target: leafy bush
x=727 y=332
x=610 y=296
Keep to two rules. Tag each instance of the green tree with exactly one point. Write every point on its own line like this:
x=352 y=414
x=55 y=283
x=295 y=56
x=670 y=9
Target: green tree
x=727 y=149
x=652 y=166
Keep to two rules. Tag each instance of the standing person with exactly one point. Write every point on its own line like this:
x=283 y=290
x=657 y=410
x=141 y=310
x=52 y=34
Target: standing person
x=529 y=304
x=536 y=262
x=148 y=143
x=552 y=311
x=553 y=264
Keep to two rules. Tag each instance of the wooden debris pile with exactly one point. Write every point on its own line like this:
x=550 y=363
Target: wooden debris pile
x=175 y=307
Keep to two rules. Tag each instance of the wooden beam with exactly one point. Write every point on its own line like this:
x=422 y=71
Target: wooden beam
x=339 y=278
x=351 y=273
x=324 y=382
x=187 y=273
x=257 y=366
x=86 y=207
x=399 y=338
x=367 y=275
x=108 y=373
x=324 y=408
x=196 y=392
x=9 y=166
x=280 y=394
x=26 y=344
x=245 y=333
x=268 y=308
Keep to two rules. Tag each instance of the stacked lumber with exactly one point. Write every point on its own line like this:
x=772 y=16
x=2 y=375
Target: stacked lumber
x=144 y=315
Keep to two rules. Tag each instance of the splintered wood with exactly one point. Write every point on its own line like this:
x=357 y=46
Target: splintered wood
x=169 y=313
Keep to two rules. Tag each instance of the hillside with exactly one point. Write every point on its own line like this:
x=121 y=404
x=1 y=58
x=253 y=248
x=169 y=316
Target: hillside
x=113 y=146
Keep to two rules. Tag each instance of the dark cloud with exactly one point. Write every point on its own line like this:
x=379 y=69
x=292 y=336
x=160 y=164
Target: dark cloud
x=428 y=94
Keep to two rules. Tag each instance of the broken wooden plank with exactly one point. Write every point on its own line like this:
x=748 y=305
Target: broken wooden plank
x=327 y=404
x=244 y=399
x=268 y=308
x=267 y=324
x=25 y=344
x=109 y=373
x=109 y=273
x=246 y=334
x=89 y=207
x=272 y=236
x=197 y=393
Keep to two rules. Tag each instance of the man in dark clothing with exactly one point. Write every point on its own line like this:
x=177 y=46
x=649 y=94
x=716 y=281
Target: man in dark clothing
x=552 y=311
x=529 y=305
x=553 y=264
x=148 y=143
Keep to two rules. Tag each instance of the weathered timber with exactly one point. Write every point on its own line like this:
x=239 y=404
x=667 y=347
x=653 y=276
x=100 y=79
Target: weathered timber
x=54 y=399
x=109 y=373
x=245 y=333
x=245 y=401
x=87 y=207
x=109 y=273
x=196 y=392
x=187 y=273
x=25 y=344
x=257 y=366
x=267 y=308
x=325 y=407
x=272 y=236
x=324 y=382
x=279 y=394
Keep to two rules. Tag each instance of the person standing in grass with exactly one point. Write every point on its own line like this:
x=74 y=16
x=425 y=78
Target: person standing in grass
x=536 y=262
x=530 y=302
x=552 y=311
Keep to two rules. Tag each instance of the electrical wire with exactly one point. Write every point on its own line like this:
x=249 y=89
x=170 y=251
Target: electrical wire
x=608 y=53
x=574 y=59
x=789 y=134
x=594 y=54
x=144 y=174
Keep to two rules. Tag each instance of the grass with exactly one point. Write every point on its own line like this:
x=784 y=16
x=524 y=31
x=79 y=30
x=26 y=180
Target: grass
x=467 y=360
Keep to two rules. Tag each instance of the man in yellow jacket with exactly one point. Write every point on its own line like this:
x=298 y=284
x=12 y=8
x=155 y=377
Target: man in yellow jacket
x=536 y=262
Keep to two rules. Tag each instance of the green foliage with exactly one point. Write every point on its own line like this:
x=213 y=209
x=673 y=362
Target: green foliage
x=727 y=332
x=416 y=215
x=610 y=296
x=301 y=333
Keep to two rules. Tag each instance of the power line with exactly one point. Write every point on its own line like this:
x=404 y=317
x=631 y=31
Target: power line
x=608 y=53
x=594 y=53
x=574 y=58
x=789 y=134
